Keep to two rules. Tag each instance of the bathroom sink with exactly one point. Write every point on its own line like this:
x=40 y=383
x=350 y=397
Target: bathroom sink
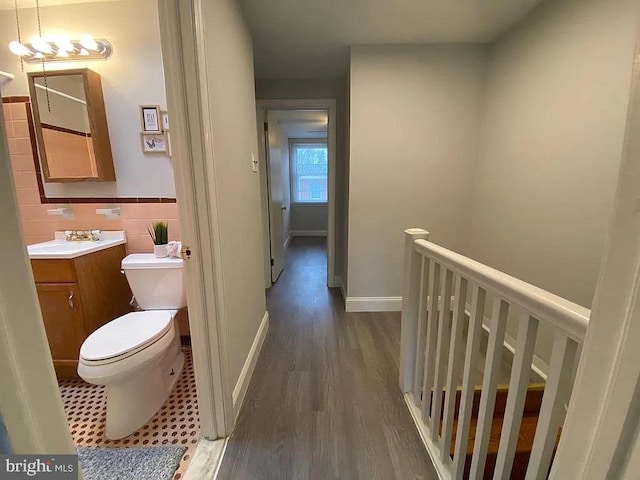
x=61 y=248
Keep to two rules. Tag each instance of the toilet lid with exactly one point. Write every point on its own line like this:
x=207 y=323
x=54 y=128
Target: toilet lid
x=126 y=333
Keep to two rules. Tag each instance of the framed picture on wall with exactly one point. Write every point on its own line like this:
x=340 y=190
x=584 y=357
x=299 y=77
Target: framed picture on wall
x=151 y=120
x=154 y=142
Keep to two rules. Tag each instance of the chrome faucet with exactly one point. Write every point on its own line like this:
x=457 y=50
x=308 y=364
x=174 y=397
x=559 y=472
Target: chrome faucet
x=83 y=235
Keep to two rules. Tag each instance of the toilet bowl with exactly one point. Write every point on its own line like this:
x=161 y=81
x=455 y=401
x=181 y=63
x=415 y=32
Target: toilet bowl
x=137 y=356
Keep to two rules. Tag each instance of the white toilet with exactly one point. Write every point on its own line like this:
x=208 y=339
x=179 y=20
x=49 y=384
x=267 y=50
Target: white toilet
x=138 y=356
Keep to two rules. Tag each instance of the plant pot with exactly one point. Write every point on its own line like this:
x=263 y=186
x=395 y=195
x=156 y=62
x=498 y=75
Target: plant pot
x=160 y=251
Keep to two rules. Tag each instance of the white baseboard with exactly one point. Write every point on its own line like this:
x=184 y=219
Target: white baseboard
x=286 y=242
x=240 y=389
x=373 y=304
x=308 y=233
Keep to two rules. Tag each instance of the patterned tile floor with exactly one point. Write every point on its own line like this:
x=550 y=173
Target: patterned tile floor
x=176 y=423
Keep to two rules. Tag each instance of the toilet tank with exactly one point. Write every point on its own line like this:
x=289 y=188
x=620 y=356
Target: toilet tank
x=156 y=283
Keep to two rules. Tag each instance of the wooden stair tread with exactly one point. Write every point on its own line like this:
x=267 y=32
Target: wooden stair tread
x=525 y=436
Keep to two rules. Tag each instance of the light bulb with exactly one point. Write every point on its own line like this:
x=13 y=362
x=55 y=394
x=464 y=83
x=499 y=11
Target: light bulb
x=38 y=55
x=83 y=51
x=62 y=53
x=40 y=44
x=64 y=45
x=19 y=49
x=88 y=42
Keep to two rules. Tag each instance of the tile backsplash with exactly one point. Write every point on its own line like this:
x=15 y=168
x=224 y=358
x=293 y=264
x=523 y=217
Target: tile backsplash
x=38 y=226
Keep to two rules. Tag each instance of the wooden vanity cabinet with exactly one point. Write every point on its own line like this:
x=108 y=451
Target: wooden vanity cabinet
x=77 y=296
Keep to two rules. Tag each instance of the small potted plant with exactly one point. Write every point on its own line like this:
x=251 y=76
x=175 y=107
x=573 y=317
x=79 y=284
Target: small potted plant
x=159 y=233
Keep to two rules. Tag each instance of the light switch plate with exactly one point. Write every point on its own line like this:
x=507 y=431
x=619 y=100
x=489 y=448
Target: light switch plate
x=254 y=163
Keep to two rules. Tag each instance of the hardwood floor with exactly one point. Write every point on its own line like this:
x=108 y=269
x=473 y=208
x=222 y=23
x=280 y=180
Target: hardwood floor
x=324 y=400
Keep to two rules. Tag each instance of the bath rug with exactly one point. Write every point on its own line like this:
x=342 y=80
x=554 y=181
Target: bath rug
x=136 y=463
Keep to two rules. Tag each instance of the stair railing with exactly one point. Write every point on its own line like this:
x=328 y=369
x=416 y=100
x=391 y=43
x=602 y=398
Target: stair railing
x=433 y=330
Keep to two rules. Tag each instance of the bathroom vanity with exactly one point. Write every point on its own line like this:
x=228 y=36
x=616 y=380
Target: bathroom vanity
x=80 y=287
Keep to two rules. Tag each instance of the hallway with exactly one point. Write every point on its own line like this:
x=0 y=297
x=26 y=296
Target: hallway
x=324 y=401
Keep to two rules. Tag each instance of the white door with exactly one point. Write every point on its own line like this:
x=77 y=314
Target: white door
x=276 y=209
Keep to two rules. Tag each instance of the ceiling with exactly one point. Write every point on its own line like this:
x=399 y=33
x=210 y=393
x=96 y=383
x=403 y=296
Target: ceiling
x=311 y=39
x=302 y=123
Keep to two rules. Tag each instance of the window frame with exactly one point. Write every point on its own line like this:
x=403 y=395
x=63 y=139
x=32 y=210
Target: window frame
x=305 y=141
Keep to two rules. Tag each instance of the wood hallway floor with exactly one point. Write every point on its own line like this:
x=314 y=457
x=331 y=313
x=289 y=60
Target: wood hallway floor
x=324 y=400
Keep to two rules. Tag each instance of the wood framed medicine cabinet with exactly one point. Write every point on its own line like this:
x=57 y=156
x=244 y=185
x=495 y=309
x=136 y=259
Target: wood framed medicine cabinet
x=70 y=121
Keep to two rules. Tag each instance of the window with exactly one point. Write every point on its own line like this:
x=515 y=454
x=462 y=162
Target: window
x=309 y=173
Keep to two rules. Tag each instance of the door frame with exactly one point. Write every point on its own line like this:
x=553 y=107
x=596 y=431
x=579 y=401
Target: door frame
x=184 y=62
x=29 y=396
x=329 y=105
x=30 y=400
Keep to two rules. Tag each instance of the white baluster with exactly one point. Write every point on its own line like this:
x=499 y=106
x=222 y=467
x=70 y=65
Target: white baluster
x=471 y=359
x=453 y=370
x=411 y=291
x=442 y=352
x=422 y=329
x=489 y=386
x=432 y=335
x=557 y=392
x=518 y=387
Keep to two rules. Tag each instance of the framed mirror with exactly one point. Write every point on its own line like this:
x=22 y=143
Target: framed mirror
x=71 y=126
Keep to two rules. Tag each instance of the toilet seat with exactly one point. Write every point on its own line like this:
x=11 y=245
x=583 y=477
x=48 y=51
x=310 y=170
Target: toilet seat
x=125 y=336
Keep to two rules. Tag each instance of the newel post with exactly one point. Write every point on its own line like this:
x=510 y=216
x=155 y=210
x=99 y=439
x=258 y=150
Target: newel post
x=410 y=301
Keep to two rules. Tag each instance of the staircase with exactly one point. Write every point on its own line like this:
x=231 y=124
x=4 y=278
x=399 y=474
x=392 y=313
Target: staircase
x=491 y=430
x=526 y=435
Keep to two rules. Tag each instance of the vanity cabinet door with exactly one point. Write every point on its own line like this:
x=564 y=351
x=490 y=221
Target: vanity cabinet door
x=62 y=314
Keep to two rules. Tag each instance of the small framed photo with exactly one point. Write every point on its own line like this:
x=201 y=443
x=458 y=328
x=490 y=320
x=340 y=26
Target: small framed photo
x=150 y=116
x=165 y=120
x=154 y=142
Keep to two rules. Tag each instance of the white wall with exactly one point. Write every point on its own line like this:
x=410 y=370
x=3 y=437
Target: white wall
x=231 y=87
x=553 y=127
x=309 y=218
x=267 y=89
x=133 y=76
x=414 y=123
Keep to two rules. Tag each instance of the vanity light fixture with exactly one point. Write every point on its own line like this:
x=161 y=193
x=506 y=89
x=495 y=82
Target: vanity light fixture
x=60 y=48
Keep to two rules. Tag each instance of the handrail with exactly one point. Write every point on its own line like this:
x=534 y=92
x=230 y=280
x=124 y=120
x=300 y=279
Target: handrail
x=570 y=317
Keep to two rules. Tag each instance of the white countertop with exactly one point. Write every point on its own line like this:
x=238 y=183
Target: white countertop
x=61 y=248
